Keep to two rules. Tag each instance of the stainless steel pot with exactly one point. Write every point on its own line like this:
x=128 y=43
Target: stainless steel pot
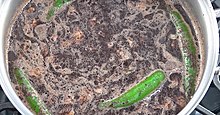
x=201 y=8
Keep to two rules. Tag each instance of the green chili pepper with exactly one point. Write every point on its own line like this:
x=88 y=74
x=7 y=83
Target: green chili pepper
x=136 y=93
x=31 y=94
x=57 y=4
x=188 y=52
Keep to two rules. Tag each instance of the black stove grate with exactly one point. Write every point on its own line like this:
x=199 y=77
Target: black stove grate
x=6 y=108
x=211 y=100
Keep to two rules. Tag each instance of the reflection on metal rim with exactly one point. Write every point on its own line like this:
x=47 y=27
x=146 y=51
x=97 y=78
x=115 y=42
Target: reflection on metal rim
x=202 y=8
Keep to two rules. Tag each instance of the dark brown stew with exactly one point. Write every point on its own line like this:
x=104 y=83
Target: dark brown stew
x=88 y=51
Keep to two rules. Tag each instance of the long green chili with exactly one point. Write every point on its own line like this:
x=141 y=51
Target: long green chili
x=57 y=4
x=136 y=93
x=31 y=94
x=188 y=52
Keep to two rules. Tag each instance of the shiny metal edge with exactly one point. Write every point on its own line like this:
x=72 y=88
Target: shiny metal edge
x=7 y=11
x=211 y=33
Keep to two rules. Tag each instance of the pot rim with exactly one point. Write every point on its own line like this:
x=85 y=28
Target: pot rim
x=212 y=55
x=6 y=12
x=212 y=51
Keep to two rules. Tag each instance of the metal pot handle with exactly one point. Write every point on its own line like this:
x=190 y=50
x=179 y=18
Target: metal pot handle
x=216 y=79
x=217 y=12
